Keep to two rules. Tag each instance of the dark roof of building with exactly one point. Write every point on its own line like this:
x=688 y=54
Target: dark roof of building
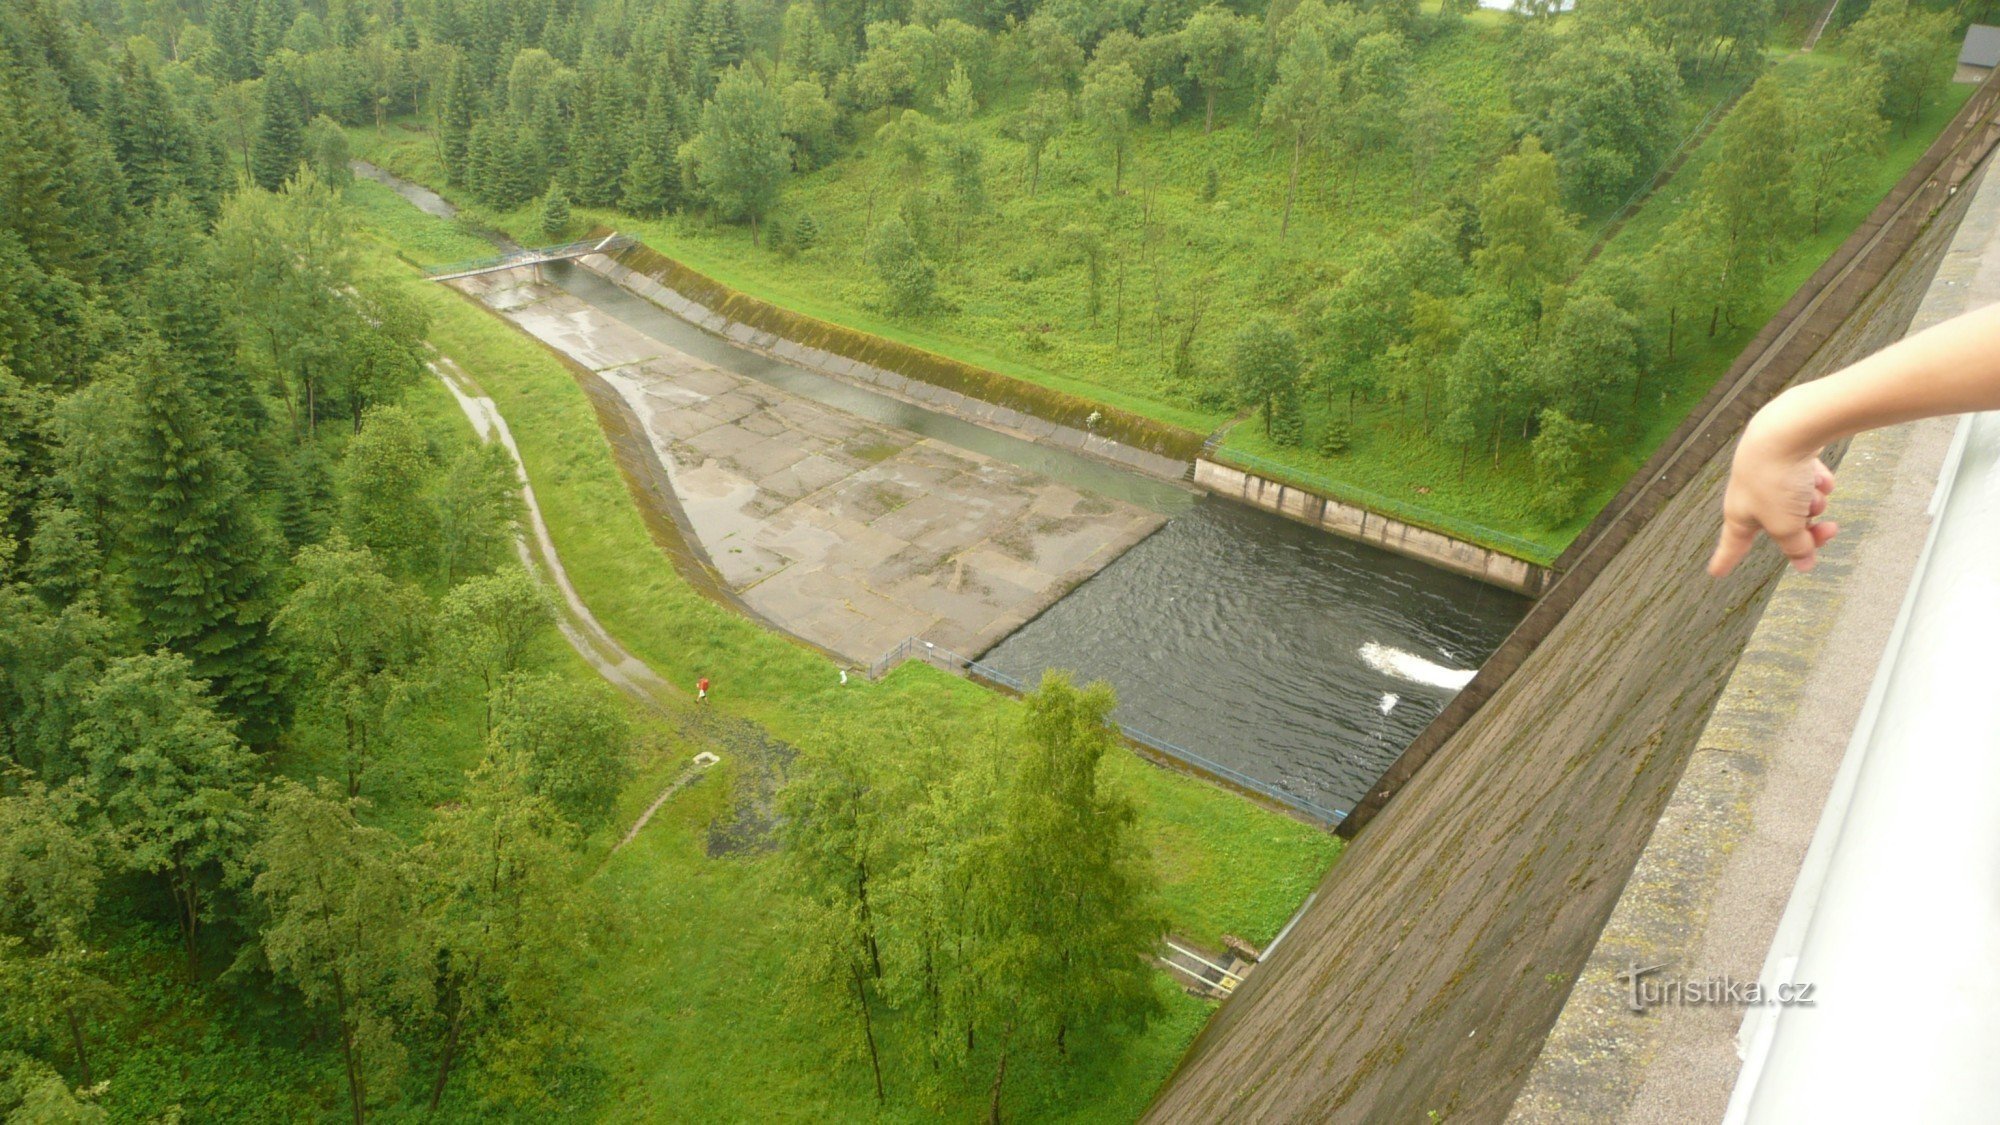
x=1982 y=46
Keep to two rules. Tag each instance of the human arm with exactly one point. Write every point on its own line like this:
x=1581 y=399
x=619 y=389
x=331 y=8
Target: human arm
x=1777 y=483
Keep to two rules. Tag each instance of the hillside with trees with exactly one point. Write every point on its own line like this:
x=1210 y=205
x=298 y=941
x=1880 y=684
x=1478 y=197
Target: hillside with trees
x=1101 y=199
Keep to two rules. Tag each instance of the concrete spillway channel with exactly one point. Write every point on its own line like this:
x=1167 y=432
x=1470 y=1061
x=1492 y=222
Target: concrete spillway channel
x=854 y=519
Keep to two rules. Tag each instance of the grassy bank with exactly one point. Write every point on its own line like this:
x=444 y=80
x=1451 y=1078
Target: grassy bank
x=695 y=1030
x=1197 y=222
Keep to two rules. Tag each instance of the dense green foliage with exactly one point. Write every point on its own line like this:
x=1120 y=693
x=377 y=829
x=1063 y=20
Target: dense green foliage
x=208 y=593
x=999 y=911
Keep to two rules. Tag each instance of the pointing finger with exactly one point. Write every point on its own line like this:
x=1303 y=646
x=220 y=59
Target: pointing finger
x=1730 y=548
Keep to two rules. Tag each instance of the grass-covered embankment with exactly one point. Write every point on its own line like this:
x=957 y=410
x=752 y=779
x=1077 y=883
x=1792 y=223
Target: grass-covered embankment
x=1196 y=225
x=694 y=1027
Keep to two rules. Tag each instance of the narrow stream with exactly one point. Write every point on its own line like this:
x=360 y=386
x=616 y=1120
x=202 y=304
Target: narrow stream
x=1303 y=660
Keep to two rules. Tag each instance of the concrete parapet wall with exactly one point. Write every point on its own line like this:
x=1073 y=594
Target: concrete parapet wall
x=1352 y=521
x=1707 y=895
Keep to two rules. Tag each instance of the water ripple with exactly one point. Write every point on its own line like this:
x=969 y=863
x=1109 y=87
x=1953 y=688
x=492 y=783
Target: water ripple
x=1240 y=635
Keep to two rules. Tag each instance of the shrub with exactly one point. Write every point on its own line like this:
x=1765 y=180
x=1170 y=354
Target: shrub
x=908 y=279
x=1336 y=440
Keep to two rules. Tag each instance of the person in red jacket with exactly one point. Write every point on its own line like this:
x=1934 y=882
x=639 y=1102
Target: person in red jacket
x=701 y=690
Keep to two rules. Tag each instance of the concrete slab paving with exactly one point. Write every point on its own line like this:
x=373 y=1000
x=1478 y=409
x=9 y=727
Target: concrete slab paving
x=850 y=534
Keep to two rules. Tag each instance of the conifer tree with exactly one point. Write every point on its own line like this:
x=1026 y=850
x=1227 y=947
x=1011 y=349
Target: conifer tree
x=59 y=183
x=154 y=144
x=182 y=294
x=196 y=555
x=597 y=139
x=230 y=56
x=555 y=214
x=805 y=232
x=721 y=30
x=280 y=146
x=652 y=181
x=454 y=113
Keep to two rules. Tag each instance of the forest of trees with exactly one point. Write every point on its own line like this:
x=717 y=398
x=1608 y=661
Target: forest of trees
x=1478 y=318
x=234 y=574
x=239 y=581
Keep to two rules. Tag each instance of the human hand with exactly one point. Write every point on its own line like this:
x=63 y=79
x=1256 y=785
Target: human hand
x=1777 y=489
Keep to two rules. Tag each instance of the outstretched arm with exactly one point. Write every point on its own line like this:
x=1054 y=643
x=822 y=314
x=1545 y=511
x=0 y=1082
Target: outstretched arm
x=1777 y=483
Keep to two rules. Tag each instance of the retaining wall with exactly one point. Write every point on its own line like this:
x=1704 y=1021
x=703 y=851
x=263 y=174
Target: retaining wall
x=1352 y=521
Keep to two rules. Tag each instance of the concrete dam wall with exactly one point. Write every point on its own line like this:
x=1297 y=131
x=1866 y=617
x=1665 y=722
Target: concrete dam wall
x=1352 y=521
x=1434 y=959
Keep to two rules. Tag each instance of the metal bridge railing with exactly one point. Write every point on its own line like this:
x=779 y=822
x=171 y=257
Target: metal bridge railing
x=916 y=648
x=528 y=256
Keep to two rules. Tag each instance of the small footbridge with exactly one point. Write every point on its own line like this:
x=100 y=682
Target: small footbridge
x=515 y=259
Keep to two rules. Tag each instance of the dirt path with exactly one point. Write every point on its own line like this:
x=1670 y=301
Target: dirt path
x=746 y=824
x=1819 y=29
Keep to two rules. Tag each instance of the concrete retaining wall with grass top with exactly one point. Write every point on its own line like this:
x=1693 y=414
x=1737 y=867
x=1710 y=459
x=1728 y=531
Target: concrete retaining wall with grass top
x=1352 y=521
x=974 y=393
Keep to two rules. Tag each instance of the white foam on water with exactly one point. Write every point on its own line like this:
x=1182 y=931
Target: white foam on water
x=1409 y=666
x=1389 y=701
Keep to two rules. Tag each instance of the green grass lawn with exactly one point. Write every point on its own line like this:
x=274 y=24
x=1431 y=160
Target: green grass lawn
x=692 y=1029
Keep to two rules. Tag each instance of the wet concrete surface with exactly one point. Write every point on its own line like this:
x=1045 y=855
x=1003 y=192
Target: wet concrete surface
x=849 y=534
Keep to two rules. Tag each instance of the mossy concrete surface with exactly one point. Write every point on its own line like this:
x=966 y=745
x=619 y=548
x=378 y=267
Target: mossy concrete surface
x=1705 y=898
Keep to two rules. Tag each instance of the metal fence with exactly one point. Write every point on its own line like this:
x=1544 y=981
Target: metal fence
x=1524 y=549
x=916 y=648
